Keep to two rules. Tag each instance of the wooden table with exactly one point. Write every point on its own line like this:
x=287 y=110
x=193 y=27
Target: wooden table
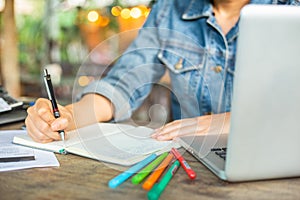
x=82 y=178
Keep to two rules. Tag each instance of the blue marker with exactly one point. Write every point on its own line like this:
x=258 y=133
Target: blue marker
x=113 y=183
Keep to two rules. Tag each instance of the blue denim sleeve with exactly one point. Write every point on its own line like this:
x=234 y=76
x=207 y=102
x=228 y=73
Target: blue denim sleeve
x=287 y=2
x=295 y=2
x=130 y=80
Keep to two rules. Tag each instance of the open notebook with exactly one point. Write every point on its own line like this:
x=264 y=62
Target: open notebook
x=114 y=143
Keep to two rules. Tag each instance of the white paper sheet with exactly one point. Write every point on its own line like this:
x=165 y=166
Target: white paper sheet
x=42 y=158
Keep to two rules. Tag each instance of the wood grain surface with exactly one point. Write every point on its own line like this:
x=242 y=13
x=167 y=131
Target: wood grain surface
x=83 y=178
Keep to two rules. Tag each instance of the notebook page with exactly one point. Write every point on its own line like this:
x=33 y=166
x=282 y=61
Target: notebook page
x=124 y=148
x=74 y=137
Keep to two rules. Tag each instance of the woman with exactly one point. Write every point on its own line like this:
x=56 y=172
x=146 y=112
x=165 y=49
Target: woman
x=195 y=41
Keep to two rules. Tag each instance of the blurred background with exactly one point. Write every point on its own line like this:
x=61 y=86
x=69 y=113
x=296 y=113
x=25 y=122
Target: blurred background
x=60 y=35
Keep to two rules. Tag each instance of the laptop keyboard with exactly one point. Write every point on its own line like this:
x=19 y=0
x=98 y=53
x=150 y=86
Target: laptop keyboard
x=221 y=152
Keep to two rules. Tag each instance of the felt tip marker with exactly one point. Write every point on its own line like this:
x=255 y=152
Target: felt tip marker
x=190 y=172
x=158 y=188
x=115 y=182
x=151 y=180
x=148 y=169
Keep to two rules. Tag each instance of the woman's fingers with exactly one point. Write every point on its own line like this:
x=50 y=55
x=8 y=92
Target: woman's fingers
x=35 y=133
x=190 y=126
x=59 y=124
x=216 y=124
x=169 y=131
x=175 y=129
x=43 y=109
x=41 y=124
x=178 y=129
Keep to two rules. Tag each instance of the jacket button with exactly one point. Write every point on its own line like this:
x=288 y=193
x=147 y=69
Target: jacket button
x=178 y=65
x=217 y=69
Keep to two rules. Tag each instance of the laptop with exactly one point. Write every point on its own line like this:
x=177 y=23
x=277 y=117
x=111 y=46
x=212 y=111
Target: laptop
x=15 y=115
x=11 y=109
x=264 y=137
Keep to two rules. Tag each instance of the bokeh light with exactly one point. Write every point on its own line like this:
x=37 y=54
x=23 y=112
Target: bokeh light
x=2 y=5
x=93 y=16
x=116 y=11
x=135 y=12
x=104 y=21
x=83 y=81
x=125 y=13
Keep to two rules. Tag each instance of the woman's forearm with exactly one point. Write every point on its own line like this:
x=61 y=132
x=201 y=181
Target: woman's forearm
x=90 y=109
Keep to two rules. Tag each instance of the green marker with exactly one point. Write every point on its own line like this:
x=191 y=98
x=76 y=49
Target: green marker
x=158 y=188
x=144 y=172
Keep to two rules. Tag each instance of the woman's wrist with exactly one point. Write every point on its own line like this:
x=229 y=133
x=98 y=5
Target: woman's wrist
x=90 y=109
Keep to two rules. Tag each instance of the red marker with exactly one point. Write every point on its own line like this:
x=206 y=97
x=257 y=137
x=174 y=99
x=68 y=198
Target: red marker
x=184 y=164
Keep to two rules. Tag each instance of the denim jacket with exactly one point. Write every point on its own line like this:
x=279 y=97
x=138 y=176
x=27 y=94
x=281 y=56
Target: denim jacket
x=183 y=37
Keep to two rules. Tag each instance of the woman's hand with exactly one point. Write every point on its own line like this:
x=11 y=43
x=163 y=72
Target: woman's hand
x=43 y=127
x=217 y=123
x=41 y=124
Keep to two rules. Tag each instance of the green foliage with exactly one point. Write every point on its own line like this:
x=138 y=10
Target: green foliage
x=30 y=37
x=32 y=34
x=68 y=33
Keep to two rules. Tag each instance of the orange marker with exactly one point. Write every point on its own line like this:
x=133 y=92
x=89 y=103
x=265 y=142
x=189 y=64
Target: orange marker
x=156 y=174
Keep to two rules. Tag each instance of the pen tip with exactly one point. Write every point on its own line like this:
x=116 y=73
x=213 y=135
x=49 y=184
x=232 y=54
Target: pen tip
x=62 y=135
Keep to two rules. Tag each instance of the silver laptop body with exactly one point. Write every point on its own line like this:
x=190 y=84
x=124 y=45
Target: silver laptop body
x=264 y=138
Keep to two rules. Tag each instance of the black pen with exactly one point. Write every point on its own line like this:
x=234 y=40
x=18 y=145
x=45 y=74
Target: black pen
x=51 y=97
